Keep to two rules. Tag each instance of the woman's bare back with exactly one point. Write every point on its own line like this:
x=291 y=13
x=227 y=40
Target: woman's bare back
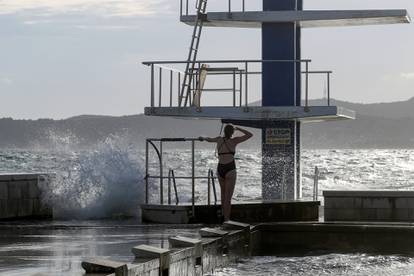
x=226 y=149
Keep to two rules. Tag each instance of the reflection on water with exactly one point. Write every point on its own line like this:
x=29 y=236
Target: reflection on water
x=332 y=264
x=58 y=248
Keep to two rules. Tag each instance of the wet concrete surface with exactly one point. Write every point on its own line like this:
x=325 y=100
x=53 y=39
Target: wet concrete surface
x=57 y=248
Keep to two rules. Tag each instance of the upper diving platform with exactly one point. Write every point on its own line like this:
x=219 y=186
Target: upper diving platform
x=305 y=19
x=231 y=82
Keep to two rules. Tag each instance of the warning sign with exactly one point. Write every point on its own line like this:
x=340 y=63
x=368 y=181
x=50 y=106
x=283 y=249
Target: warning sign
x=278 y=136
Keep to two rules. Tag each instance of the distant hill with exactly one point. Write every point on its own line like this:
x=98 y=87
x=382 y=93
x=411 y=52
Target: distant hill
x=382 y=125
x=393 y=110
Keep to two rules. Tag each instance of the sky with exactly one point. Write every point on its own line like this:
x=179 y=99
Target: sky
x=62 y=58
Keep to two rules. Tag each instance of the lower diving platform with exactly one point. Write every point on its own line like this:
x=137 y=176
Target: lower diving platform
x=299 y=113
x=235 y=76
x=248 y=212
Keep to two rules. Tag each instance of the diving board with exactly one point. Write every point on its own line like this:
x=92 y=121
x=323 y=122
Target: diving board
x=306 y=19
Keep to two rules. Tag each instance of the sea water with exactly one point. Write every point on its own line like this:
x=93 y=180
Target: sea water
x=108 y=181
x=323 y=265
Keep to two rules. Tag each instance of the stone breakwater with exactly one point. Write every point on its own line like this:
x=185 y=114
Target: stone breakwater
x=21 y=196
x=217 y=247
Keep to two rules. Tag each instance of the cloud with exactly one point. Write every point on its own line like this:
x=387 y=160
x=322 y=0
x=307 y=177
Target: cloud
x=106 y=8
x=408 y=76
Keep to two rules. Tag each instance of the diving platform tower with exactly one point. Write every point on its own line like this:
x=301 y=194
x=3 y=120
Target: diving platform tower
x=284 y=81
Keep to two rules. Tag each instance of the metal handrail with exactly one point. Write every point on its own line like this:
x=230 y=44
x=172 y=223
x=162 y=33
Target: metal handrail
x=171 y=174
x=240 y=89
x=148 y=63
x=211 y=183
x=171 y=177
x=316 y=184
x=147 y=176
x=185 y=6
x=180 y=177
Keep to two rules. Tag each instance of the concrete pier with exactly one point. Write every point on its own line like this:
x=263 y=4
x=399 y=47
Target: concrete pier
x=20 y=196
x=275 y=239
x=248 y=212
x=391 y=206
x=233 y=240
x=184 y=257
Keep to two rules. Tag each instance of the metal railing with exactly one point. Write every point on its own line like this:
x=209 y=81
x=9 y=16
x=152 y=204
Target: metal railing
x=186 y=6
x=210 y=178
x=171 y=178
x=239 y=71
x=316 y=184
x=211 y=184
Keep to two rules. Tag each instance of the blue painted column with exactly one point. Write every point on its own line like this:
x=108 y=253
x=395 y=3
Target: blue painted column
x=281 y=87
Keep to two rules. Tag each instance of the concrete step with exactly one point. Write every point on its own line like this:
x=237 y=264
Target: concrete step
x=103 y=266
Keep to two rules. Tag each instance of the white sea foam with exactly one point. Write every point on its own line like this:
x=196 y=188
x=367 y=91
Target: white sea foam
x=105 y=181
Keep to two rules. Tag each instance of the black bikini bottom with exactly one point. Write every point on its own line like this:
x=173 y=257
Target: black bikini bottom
x=223 y=169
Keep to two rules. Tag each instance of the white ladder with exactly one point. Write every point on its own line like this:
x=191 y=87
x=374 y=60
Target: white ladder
x=192 y=56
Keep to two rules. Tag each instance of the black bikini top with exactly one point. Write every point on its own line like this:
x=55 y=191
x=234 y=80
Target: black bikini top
x=228 y=152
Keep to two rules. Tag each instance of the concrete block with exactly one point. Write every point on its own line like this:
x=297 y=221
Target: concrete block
x=368 y=214
x=341 y=214
x=25 y=208
x=401 y=214
x=357 y=203
x=24 y=187
x=182 y=254
x=150 y=252
x=146 y=252
x=33 y=190
x=368 y=193
x=13 y=208
x=183 y=262
x=339 y=202
x=378 y=203
x=24 y=176
x=104 y=266
x=3 y=208
x=182 y=242
x=149 y=268
x=402 y=203
x=385 y=214
x=37 y=211
x=4 y=191
x=234 y=225
x=5 y=177
x=160 y=216
x=329 y=214
x=14 y=191
x=212 y=232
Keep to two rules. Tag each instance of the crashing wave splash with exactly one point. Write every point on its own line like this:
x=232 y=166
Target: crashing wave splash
x=104 y=182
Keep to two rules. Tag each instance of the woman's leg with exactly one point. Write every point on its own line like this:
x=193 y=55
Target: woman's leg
x=230 y=183
x=222 y=182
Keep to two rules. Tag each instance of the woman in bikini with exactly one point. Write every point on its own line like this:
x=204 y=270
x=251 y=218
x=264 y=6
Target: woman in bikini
x=226 y=169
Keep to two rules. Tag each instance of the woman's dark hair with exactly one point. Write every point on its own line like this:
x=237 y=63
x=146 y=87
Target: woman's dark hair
x=228 y=131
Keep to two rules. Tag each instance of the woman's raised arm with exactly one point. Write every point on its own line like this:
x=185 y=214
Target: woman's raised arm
x=246 y=135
